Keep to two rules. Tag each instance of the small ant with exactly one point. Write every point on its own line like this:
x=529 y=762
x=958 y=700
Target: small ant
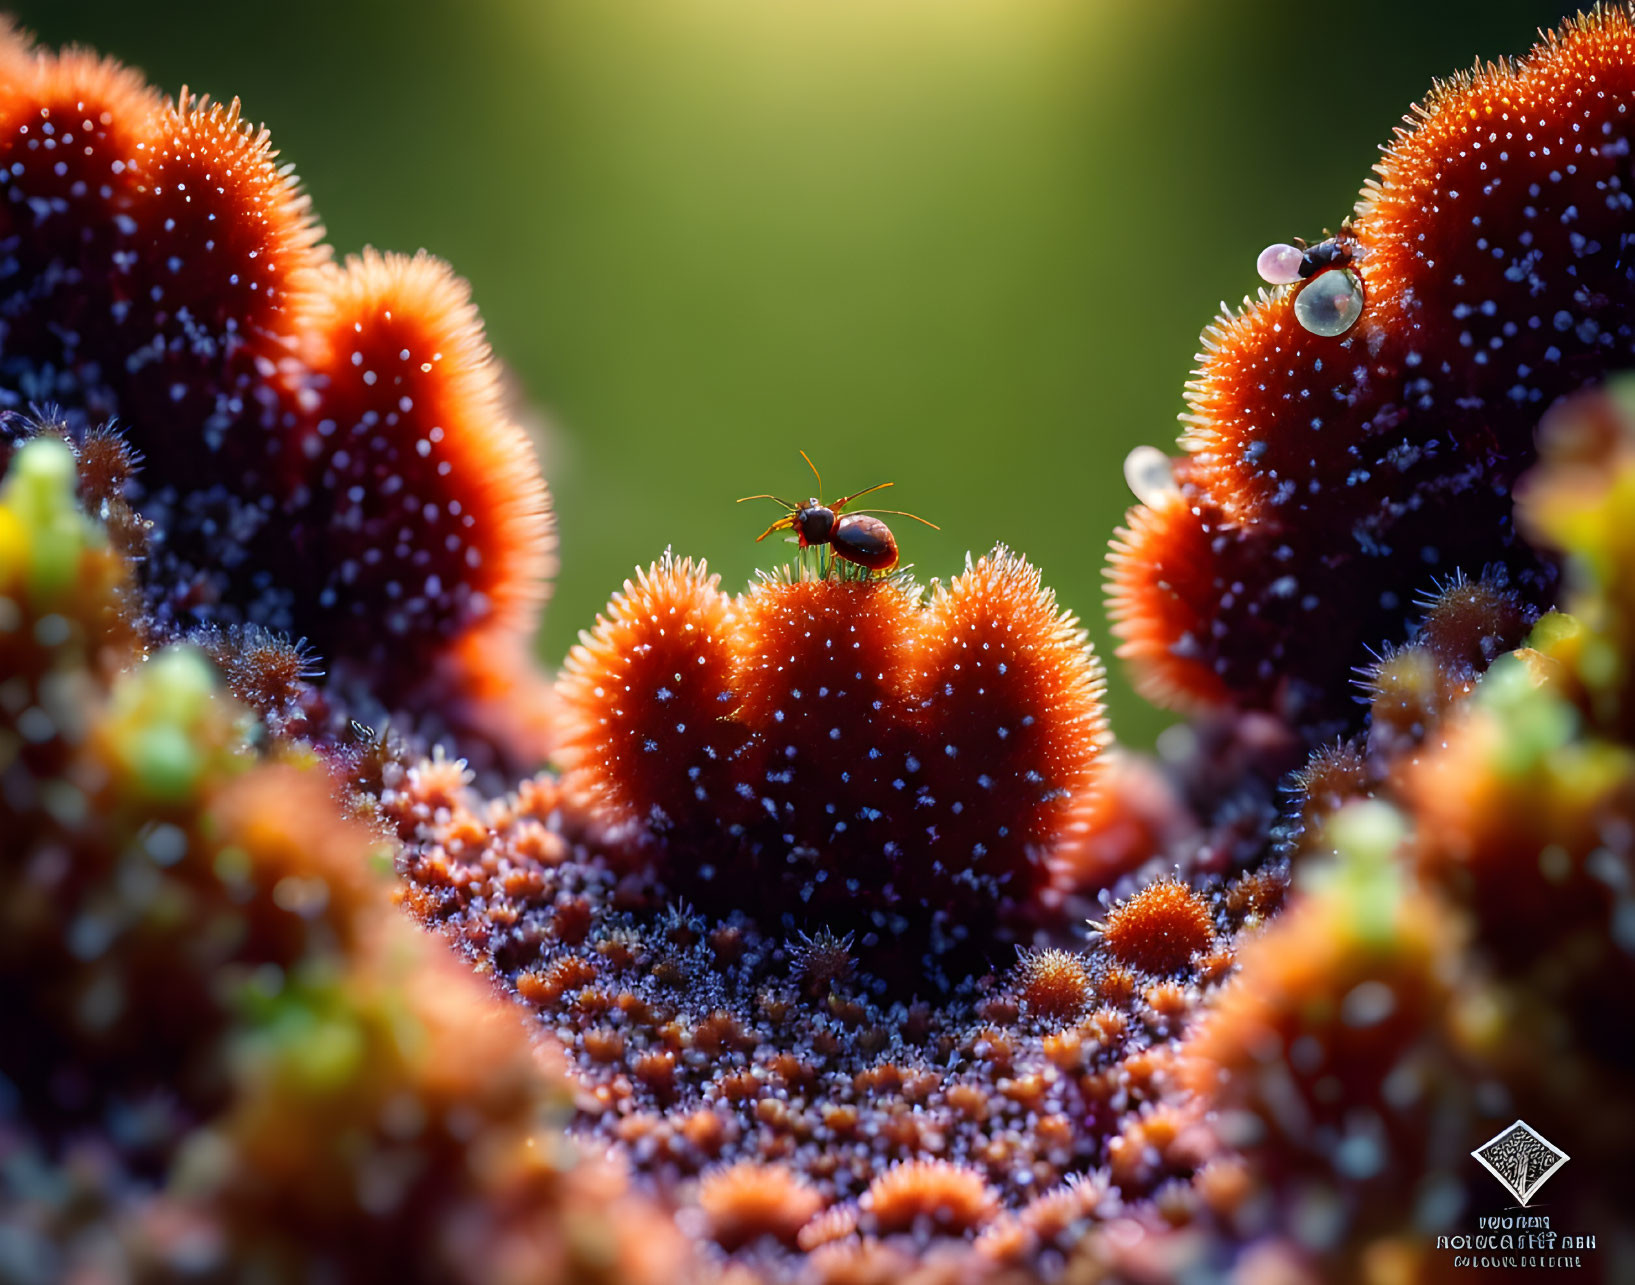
x=857 y=537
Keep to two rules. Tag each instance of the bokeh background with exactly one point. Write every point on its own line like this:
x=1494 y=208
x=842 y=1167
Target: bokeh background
x=967 y=245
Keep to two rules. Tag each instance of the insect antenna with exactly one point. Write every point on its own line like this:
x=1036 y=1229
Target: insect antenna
x=815 y=473
x=857 y=495
x=900 y=514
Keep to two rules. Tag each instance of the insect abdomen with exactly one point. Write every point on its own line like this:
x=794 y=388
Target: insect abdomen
x=865 y=540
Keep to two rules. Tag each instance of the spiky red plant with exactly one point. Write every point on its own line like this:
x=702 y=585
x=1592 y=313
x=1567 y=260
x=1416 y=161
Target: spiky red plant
x=835 y=752
x=1329 y=476
x=323 y=445
x=749 y=1200
x=1159 y=928
x=939 y=1193
x=1053 y=983
x=1468 y=622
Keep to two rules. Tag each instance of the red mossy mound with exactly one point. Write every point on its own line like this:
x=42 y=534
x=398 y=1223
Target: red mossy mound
x=1329 y=477
x=323 y=447
x=832 y=751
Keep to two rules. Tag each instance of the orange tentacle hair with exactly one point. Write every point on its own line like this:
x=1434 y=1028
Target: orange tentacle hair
x=839 y=753
x=1328 y=478
x=1004 y=688
x=1162 y=585
x=420 y=471
x=324 y=449
x=223 y=242
x=643 y=701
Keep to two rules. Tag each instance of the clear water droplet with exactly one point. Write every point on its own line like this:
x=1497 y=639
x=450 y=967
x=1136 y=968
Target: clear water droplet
x=1330 y=303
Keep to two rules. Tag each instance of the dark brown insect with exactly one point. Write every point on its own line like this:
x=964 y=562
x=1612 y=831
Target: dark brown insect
x=1335 y=252
x=858 y=536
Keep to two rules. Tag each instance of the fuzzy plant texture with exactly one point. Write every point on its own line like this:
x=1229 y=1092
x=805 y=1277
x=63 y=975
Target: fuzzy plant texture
x=814 y=931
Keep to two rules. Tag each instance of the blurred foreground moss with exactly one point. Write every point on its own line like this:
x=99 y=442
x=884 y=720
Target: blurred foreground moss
x=226 y=1054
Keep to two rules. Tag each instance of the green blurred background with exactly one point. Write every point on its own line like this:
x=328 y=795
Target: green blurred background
x=967 y=245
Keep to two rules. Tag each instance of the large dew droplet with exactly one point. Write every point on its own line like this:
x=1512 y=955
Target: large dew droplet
x=1279 y=265
x=1330 y=303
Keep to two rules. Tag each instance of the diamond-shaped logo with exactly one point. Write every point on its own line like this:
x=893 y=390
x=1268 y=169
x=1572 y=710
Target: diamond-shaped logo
x=1521 y=1159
